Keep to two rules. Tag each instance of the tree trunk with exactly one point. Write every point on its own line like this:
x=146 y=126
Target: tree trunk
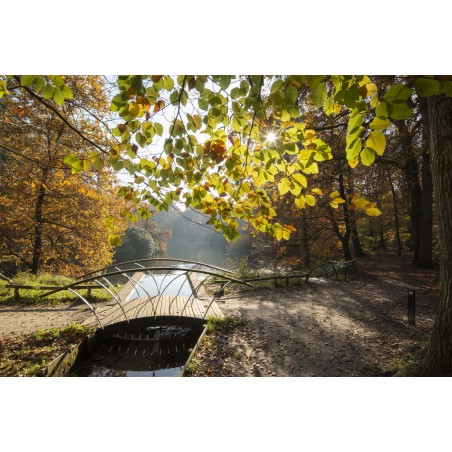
x=382 y=244
x=346 y=237
x=414 y=192
x=37 y=244
x=356 y=243
x=426 y=223
x=438 y=358
x=305 y=240
x=396 y=217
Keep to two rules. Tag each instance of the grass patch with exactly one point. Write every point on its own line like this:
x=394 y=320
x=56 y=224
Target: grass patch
x=33 y=296
x=27 y=355
x=223 y=324
x=214 y=341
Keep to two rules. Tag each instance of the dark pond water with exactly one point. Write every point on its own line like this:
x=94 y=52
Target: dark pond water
x=154 y=351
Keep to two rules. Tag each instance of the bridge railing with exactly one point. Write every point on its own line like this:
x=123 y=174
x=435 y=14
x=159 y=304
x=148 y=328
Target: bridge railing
x=102 y=279
x=336 y=269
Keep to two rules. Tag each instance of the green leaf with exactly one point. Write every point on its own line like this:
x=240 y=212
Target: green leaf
x=48 y=91
x=380 y=123
x=203 y=104
x=351 y=96
x=376 y=141
x=168 y=83
x=354 y=149
x=67 y=92
x=398 y=92
x=319 y=94
x=427 y=86
x=328 y=107
x=367 y=156
x=184 y=98
x=356 y=119
x=399 y=110
x=277 y=85
x=27 y=80
x=158 y=128
x=39 y=84
x=174 y=97
x=315 y=80
x=382 y=110
x=58 y=96
x=291 y=93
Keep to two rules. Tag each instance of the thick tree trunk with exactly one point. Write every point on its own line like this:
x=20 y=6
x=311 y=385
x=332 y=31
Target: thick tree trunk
x=37 y=243
x=396 y=217
x=426 y=220
x=438 y=358
x=426 y=223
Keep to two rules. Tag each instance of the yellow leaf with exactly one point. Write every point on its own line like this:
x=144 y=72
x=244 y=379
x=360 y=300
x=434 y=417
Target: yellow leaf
x=300 y=202
x=373 y=212
x=317 y=191
x=300 y=179
x=335 y=194
x=310 y=200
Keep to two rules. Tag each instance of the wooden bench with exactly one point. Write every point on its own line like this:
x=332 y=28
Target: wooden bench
x=18 y=287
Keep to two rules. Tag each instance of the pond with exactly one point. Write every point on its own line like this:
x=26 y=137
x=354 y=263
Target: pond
x=153 y=351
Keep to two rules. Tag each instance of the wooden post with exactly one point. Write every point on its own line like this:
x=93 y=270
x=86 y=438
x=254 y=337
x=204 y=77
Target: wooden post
x=411 y=307
x=287 y=282
x=16 y=294
x=88 y=293
x=276 y=282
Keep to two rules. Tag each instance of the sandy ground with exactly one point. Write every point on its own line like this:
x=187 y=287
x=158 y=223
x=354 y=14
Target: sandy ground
x=16 y=320
x=323 y=328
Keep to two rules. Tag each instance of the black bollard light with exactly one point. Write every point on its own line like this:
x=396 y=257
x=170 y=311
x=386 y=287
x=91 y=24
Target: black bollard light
x=411 y=307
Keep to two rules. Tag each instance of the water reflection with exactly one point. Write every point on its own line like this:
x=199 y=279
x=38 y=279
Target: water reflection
x=155 y=351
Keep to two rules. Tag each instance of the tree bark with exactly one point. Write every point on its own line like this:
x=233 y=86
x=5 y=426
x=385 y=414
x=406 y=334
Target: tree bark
x=39 y=222
x=382 y=243
x=437 y=360
x=396 y=217
x=414 y=192
x=305 y=249
x=345 y=238
x=426 y=221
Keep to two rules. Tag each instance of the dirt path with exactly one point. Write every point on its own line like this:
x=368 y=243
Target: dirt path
x=324 y=328
x=16 y=319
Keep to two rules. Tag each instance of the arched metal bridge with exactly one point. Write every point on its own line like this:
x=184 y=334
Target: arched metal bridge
x=157 y=288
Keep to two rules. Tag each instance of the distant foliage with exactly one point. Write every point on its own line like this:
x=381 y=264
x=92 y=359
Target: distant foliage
x=136 y=244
